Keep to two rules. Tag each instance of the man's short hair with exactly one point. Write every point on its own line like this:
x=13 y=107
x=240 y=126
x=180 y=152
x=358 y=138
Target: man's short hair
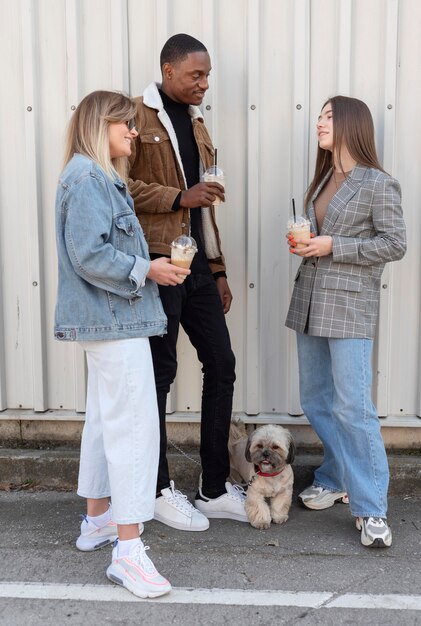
x=178 y=47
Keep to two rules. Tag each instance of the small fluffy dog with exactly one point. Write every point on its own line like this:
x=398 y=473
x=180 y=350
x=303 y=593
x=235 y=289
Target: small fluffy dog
x=268 y=453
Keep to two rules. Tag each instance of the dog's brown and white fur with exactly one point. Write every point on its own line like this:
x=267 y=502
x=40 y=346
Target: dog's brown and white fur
x=269 y=452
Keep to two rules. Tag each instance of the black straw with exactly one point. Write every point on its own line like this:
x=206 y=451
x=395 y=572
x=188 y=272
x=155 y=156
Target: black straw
x=216 y=157
x=293 y=210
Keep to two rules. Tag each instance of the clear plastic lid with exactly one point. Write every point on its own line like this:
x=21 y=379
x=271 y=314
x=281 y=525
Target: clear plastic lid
x=184 y=242
x=214 y=170
x=299 y=222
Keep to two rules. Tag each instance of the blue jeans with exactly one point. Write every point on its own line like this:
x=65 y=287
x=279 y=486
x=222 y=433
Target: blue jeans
x=335 y=390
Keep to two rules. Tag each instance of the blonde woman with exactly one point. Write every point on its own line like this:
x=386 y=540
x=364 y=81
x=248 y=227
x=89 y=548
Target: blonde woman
x=355 y=211
x=108 y=302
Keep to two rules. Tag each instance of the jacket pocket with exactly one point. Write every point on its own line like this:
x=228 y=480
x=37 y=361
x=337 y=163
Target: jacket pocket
x=154 y=137
x=156 y=155
x=128 y=234
x=127 y=223
x=346 y=283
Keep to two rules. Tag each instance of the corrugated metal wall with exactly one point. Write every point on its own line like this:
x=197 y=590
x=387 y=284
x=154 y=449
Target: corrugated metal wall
x=274 y=64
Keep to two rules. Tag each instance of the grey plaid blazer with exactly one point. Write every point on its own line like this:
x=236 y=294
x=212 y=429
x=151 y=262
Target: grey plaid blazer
x=338 y=295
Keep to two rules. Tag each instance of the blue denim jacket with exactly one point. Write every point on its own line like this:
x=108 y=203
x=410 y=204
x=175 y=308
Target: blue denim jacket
x=103 y=259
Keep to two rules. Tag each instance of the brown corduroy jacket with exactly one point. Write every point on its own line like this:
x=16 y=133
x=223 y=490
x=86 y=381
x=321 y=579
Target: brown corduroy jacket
x=156 y=178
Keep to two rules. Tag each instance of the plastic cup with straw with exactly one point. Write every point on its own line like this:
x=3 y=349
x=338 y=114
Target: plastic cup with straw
x=214 y=174
x=298 y=226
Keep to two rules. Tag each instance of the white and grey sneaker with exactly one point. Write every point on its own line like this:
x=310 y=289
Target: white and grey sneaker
x=375 y=532
x=173 y=509
x=93 y=537
x=319 y=498
x=228 y=506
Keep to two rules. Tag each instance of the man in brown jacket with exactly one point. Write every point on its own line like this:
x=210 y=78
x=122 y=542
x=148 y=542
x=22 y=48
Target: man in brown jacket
x=171 y=151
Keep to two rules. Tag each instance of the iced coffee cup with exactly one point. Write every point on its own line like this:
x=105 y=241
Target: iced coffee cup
x=214 y=174
x=299 y=227
x=183 y=249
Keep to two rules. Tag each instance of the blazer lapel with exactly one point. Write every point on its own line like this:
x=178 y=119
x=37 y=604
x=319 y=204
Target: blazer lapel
x=347 y=190
x=311 y=212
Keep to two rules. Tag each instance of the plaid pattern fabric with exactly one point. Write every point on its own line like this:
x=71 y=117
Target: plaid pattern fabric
x=338 y=295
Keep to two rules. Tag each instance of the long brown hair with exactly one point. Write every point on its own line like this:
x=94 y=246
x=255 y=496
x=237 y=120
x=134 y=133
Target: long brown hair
x=353 y=127
x=87 y=132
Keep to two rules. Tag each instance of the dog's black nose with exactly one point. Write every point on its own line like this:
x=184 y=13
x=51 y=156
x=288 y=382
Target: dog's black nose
x=265 y=453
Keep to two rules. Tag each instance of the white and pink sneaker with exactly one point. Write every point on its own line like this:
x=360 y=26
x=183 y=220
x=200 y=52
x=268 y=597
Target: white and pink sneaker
x=136 y=572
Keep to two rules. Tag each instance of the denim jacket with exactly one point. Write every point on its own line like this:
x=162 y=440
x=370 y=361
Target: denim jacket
x=103 y=259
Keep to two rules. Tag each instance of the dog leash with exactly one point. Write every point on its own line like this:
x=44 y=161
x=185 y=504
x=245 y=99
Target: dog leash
x=174 y=445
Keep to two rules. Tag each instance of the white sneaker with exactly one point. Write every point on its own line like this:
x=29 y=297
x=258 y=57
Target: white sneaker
x=93 y=537
x=319 y=498
x=375 y=532
x=174 y=509
x=137 y=573
x=228 y=506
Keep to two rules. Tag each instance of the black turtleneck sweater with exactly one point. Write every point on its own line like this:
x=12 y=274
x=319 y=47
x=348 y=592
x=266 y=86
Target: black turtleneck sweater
x=189 y=153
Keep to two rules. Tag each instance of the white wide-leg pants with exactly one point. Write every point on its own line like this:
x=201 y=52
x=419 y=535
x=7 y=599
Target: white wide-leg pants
x=120 y=441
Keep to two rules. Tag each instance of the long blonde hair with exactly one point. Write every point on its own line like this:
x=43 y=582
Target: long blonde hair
x=87 y=132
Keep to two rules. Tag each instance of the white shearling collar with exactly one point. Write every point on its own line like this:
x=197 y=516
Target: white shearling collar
x=153 y=100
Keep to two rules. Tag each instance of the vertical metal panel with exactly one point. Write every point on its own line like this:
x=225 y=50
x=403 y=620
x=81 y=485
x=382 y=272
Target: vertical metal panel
x=147 y=31
x=16 y=353
x=299 y=156
x=273 y=55
x=119 y=45
x=383 y=352
x=33 y=207
x=75 y=356
x=3 y=396
x=405 y=362
x=4 y=112
x=229 y=101
x=253 y=286
x=344 y=39
x=71 y=28
x=3 y=359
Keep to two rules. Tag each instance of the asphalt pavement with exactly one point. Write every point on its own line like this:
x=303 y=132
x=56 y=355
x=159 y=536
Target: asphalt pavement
x=311 y=570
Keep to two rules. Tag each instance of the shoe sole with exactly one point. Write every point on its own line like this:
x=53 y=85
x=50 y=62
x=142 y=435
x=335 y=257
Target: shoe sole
x=317 y=506
x=223 y=515
x=89 y=547
x=135 y=591
x=177 y=526
x=377 y=543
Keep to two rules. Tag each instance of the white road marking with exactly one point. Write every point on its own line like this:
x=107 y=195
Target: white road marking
x=181 y=595
x=387 y=601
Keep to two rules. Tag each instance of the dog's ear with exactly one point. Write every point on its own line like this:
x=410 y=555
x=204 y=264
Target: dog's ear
x=247 y=450
x=291 y=451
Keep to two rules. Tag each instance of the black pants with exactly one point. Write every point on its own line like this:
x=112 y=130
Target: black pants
x=196 y=305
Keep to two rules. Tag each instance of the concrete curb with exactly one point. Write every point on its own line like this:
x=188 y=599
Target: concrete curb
x=58 y=469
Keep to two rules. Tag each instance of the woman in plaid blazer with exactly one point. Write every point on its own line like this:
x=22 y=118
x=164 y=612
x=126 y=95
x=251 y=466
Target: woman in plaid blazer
x=354 y=208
